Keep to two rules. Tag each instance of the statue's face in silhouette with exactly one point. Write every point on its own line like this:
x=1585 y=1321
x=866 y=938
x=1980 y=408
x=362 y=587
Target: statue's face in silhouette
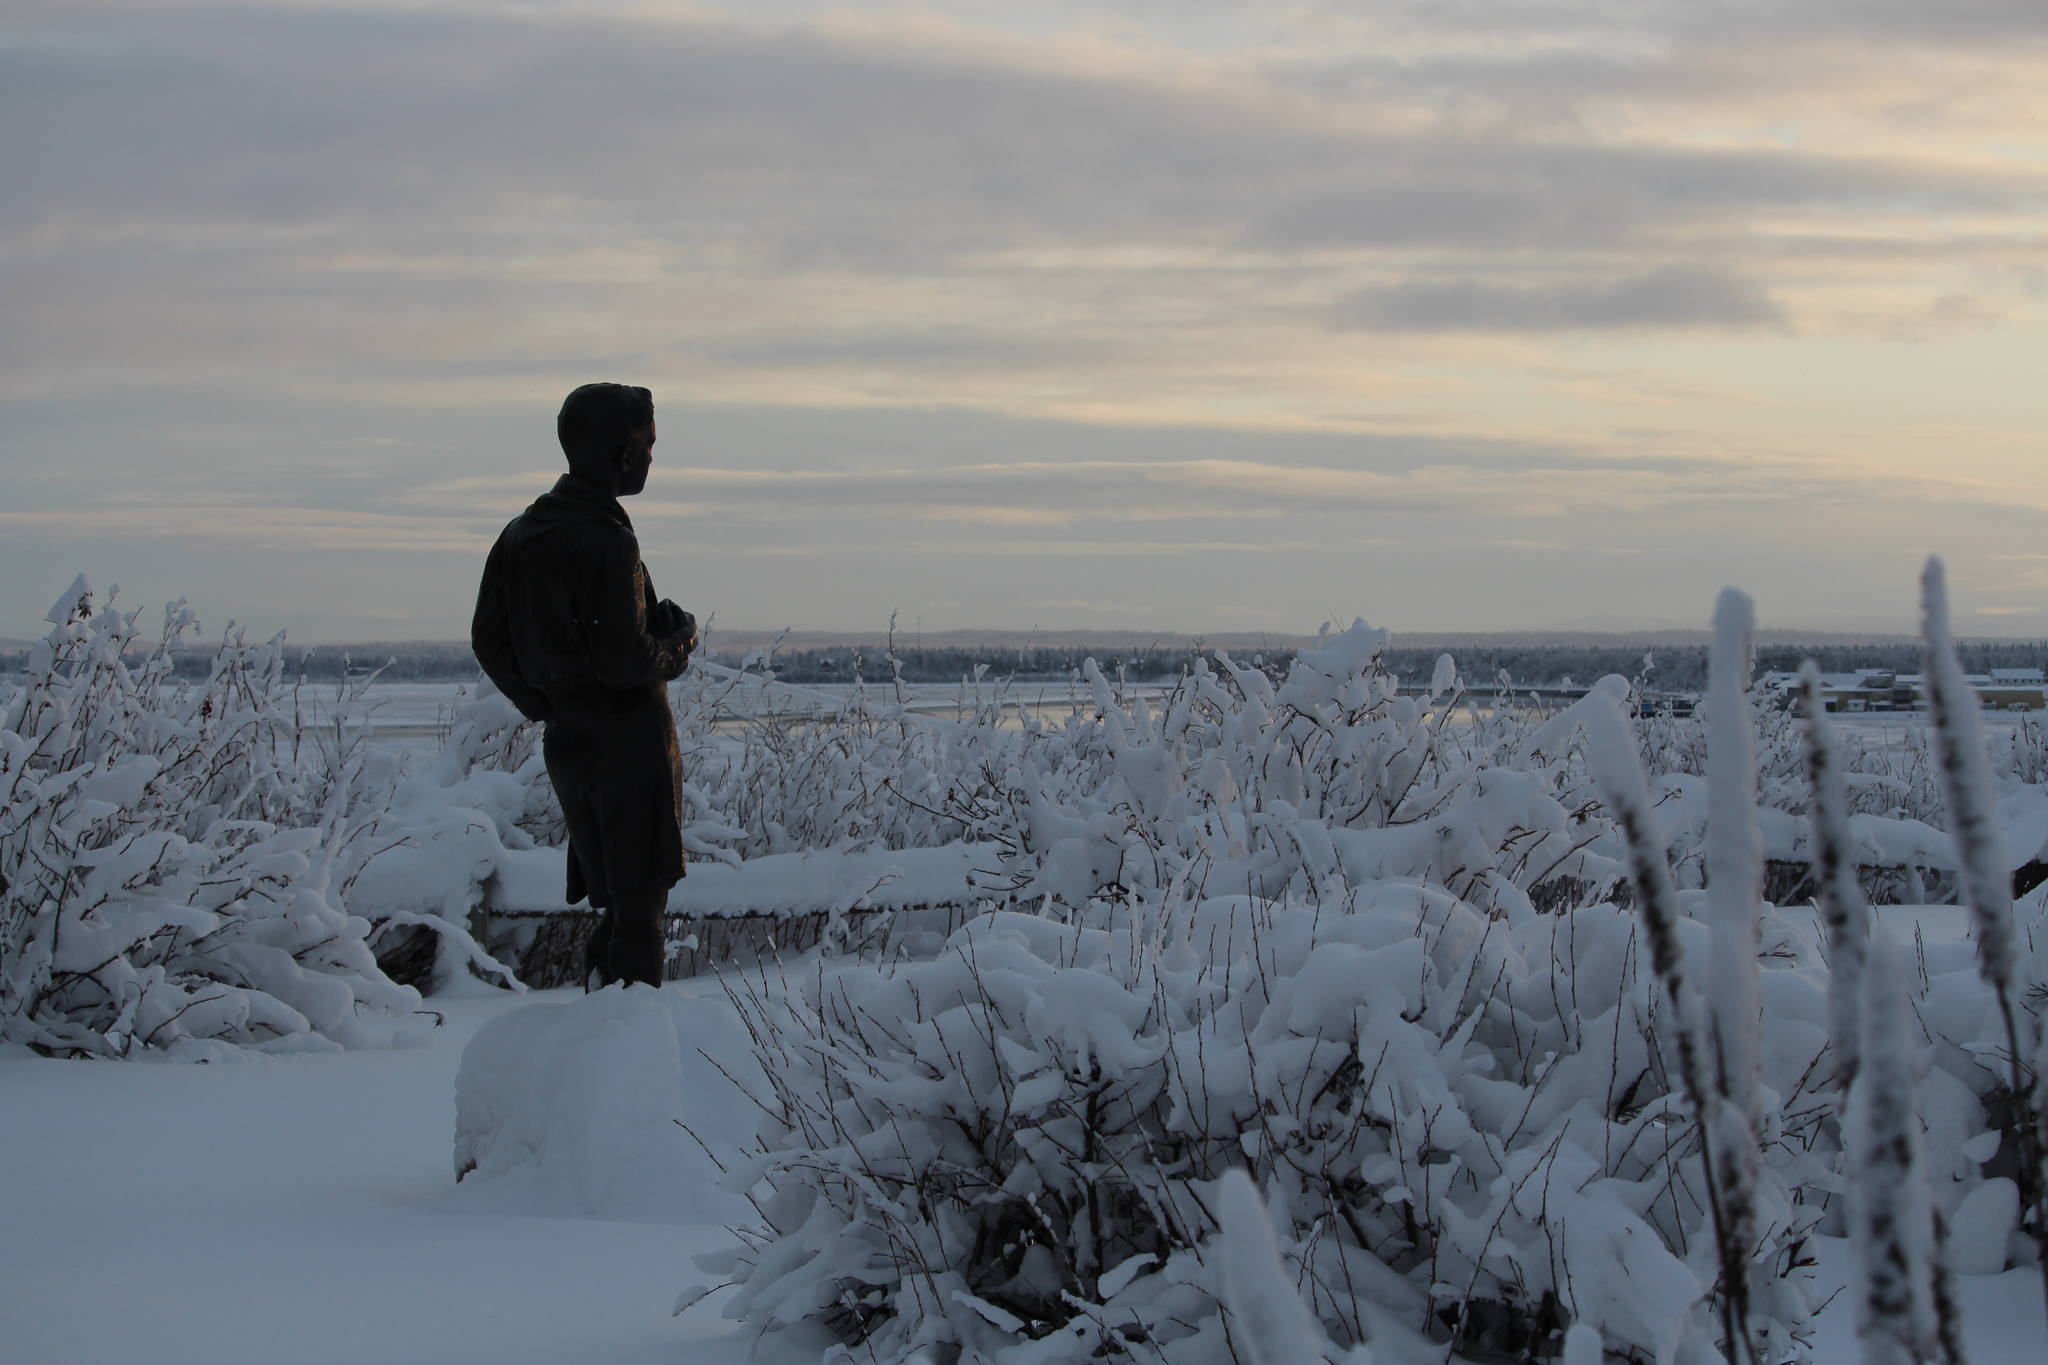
x=636 y=457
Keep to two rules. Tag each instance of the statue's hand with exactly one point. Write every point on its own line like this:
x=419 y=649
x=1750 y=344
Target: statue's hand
x=672 y=623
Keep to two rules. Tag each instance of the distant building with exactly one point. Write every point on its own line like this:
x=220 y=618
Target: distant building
x=2013 y=689
x=1867 y=689
x=1879 y=689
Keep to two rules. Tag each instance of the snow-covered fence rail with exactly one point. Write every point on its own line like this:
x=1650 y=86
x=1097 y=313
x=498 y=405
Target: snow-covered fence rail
x=732 y=914
x=1898 y=858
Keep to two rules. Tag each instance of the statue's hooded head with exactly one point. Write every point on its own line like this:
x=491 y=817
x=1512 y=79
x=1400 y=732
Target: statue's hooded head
x=607 y=432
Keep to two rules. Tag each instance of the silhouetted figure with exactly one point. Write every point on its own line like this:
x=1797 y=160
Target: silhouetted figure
x=568 y=627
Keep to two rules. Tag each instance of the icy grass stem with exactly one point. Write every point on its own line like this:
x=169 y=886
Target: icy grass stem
x=1985 y=877
x=1906 y=1310
x=1892 y=1223
x=1617 y=770
x=1734 y=858
x=1273 y=1327
x=1844 y=912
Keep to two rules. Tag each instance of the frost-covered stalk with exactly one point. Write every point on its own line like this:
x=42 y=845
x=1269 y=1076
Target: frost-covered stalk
x=1984 y=873
x=1735 y=873
x=1617 y=771
x=1890 y=1214
x=1906 y=1310
x=1273 y=1326
x=1843 y=909
x=1966 y=781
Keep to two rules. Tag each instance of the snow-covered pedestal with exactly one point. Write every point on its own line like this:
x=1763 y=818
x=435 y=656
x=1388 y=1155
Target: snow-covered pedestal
x=577 y=1108
x=733 y=914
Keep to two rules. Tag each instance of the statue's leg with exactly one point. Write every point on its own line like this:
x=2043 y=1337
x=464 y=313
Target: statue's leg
x=597 y=971
x=636 y=935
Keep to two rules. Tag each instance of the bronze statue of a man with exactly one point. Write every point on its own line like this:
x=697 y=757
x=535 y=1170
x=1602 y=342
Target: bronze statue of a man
x=568 y=626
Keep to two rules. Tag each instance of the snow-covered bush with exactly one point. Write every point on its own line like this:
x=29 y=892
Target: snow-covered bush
x=1893 y=798
x=2023 y=756
x=776 y=781
x=1471 y=1129
x=862 y=769
x=1234 y=784
x=1298 y=930
x=173 y=858
x=492 y=748
x=755 y=780
x=1286 y=929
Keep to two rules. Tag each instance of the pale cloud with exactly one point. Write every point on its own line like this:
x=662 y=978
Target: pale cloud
x=935 y=350
x=1112 y=491
x=1669 y=297
x=245 y=526
x=1575 y=280
x=1000 y=515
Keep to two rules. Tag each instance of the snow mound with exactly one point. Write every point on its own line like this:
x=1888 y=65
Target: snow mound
x=579 y=1109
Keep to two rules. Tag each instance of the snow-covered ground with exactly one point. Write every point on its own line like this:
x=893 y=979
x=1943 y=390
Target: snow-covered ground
x=305 y=1209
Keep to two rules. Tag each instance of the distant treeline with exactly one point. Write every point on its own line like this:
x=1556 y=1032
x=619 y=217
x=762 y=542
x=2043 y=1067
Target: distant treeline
x=1683 y=668
x=428 y=661
x=953 y=663
x=1673 y=668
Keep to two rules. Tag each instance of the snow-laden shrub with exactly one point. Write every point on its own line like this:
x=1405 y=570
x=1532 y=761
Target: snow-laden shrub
x=2023 y=753
x=862 y=769
x=493 y=751
x=755 y=780
x=1897 y=815
x=780 y=780
x=1298 y=930
x=1895 y=797
x=1467 y=1112
x=1236 y=784
x=1470 y=1128
x=173 y=858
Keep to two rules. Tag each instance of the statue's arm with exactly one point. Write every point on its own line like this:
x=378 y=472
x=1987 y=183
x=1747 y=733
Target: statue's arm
x=490 y=636
x=627 y=647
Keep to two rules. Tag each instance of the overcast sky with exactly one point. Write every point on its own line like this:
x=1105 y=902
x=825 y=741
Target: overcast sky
x=1182 y=314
